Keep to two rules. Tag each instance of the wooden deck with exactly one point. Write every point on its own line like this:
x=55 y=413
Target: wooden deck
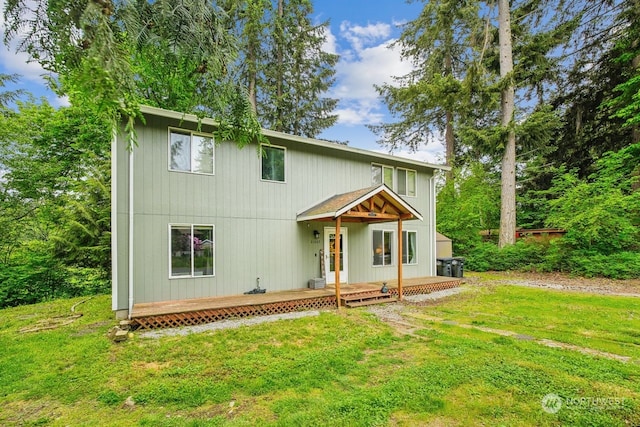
x=204 y=310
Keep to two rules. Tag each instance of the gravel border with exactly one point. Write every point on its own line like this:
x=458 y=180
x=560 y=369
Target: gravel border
x=226 y=324
x=432 y=296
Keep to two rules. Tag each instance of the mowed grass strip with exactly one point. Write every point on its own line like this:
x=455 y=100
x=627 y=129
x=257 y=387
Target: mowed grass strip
x=342 y=369
x=604 y=323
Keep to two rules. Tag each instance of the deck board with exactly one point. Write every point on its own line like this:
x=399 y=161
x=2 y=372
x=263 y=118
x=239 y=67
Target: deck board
x=144 y=310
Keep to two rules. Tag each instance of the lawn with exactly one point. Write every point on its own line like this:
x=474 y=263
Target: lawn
x=344 y=369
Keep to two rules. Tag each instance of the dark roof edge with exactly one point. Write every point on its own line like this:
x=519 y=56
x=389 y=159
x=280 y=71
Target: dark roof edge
x=145 y=109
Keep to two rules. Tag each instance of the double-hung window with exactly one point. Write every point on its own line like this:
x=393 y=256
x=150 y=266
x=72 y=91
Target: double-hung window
x=406 y=182
x=409 y=240
x=273 y=163
x=192 y=249
x=382 y=174
x=190 y=152
x=382 y=247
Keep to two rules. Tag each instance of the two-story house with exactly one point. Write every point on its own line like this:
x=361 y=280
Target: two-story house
x=195 y=218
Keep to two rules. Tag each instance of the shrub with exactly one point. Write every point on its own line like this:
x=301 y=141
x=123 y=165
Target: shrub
x=35 y=275
x=556 y=255
x=524 y=255
x=621 y=265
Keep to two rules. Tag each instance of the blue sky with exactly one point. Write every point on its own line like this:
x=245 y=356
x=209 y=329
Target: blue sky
x=360 y=32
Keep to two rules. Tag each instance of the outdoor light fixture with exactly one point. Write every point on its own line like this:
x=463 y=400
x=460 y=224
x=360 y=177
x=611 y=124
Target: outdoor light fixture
x=316 y=234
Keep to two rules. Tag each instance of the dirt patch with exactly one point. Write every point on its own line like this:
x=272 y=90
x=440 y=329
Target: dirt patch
x=559 y=281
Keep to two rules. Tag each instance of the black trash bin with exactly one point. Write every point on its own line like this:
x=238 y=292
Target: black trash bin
x=443 y=266
x=457 y=267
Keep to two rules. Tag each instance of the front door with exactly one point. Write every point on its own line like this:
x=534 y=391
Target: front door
x=329 y=255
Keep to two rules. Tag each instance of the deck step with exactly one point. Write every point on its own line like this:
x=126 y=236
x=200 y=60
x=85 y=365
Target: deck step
x=366 y=299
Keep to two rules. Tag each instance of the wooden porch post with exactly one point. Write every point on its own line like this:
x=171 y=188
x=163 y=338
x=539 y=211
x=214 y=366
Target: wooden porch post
x=336 y=260
x=400 y=259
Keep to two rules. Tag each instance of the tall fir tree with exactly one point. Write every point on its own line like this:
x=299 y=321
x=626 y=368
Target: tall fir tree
x=441 y=43
x=297 y=72
x=283 y=64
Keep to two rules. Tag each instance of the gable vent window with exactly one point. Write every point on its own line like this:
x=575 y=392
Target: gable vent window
x=190 y=152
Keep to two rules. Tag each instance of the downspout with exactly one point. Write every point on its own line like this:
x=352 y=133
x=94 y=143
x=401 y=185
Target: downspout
x=114 y=220
x=130 y=231
x=432 y=224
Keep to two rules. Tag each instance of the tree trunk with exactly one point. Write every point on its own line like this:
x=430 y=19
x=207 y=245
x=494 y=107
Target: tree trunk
x=449 y=144
x=448 y=130
x=635 y=130
x=508 y=191
x=251 y=57
x=280 y=61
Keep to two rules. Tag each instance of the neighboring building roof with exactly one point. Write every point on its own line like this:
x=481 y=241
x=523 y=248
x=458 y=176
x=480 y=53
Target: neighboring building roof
x=371 y=204
x=442 y=238
x=293 y=138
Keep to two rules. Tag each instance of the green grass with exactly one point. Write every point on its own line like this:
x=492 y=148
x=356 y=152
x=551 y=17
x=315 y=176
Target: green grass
x=345 y=369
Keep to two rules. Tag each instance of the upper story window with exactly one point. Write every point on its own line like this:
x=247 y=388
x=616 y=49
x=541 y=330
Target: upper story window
x=406 y=182
x=273 y=163
x=190 y=152
x=382 y=174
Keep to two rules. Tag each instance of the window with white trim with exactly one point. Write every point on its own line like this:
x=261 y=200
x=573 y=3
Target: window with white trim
x=382 y=174
x=192 y=249
x=409 y=241
x=190 y=152
x=406 y=182
x=273 y=163
x=382 y=247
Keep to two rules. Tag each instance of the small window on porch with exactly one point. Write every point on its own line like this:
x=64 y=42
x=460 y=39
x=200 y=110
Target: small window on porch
x=409 y=255
x=382 y=244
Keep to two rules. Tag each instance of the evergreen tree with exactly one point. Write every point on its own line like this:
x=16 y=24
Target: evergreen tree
x=295 y=72
x=627 y=103
x=442 y=43
x=175 y=54
x=282 y=64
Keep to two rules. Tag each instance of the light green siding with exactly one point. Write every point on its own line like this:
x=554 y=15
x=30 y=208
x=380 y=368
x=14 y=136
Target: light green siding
x=256 y=232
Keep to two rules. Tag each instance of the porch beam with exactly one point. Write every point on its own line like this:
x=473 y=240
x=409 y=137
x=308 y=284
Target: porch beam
x=336 y=260
x=400 y=259
x=371 y=215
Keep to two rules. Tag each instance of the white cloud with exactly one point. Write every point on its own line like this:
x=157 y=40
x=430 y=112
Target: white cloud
x=373 y=66
x=432 y=153
x=358 y=113
x=14 y=62
x=366 y=60
x=359 y=36
x=18 y=63
x=330 y=43
x=61 y=101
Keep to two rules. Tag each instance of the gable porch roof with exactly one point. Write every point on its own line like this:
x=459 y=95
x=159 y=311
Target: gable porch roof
x=372 y=204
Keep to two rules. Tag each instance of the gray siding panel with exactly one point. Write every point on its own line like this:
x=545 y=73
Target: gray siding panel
x=256 y=233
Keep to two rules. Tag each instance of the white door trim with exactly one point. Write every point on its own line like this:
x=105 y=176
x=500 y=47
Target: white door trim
x=344 y=267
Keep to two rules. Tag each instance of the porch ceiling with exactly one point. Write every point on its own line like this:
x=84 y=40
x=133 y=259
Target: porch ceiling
x=371 y=204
